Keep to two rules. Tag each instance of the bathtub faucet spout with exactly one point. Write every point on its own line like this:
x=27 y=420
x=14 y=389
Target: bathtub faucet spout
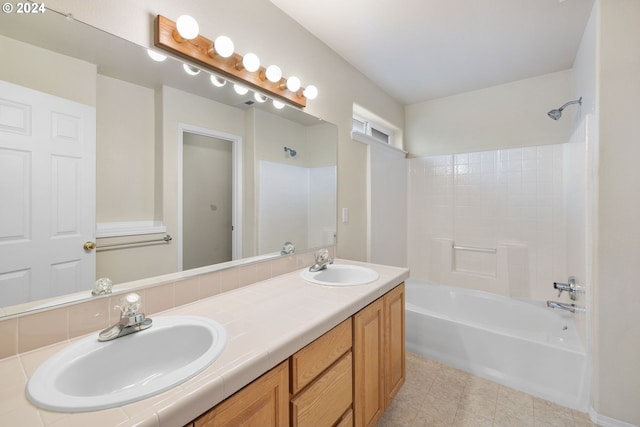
x=568 y=307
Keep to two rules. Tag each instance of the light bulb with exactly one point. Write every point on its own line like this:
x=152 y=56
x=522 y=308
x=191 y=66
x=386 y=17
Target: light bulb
x=260 y=97
x=293 y=84
x=188 y=27
x=310 y=92
x=217 y=81
x=192 y=71
x=273 y=73
x=251 y=62
x=156 y=56
x=279 y=105
x=223 y=46
x=240 y=90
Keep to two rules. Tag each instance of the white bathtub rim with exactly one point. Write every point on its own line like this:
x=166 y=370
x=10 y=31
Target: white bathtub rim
x=485 y=294
x=570 y=346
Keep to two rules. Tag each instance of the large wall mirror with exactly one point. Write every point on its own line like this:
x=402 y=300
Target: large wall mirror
x=161 y=169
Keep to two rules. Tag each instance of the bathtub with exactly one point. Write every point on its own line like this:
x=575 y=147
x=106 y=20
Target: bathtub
x=523 y=345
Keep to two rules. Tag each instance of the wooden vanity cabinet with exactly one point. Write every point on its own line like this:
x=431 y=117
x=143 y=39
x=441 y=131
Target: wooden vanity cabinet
x=379 y=356
x=368 y=351
x=345 y=378
x=394 y=342
x=263 y=403
x=322 y=380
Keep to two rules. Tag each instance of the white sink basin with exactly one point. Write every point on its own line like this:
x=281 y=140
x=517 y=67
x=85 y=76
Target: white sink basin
x=341 y=275
x=90 y=375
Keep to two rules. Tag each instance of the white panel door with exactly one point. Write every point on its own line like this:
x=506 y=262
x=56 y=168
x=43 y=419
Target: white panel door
x=47 y=195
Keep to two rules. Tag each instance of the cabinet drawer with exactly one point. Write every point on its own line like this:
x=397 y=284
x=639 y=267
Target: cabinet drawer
x=347 y=419
x=309 y=362
x=325 y=401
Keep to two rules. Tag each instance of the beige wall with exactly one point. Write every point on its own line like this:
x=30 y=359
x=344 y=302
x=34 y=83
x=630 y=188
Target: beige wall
x=257 y=25
x=508 y=115
x=616 y=325
x=63 y=76
x=321 y=146
x=125 y=151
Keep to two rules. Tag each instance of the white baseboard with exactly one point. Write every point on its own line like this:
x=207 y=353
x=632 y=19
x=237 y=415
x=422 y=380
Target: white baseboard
x=605 y=421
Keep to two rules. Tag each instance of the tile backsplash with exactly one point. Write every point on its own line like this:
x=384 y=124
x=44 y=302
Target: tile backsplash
x=31 y=330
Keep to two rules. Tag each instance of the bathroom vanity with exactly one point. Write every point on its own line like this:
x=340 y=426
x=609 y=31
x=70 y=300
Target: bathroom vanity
x=364 y=353
x=297 y=354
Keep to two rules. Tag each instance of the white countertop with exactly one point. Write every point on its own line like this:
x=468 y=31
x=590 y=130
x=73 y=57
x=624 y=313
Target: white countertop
x=266 y=322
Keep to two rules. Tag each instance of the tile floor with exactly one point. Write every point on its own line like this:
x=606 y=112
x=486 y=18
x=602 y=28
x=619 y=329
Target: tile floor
x=437 y=395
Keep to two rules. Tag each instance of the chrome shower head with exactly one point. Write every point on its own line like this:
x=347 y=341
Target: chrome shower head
x=291 y=151
x=557 y=113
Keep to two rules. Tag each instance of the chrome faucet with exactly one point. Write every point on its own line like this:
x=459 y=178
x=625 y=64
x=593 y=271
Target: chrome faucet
x=322 y=260
x=287 y=249
x=130 y=320
x=568 y=307
x=570 y=287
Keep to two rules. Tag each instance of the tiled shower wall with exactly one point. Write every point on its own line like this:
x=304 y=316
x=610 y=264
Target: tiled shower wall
x=517 y=197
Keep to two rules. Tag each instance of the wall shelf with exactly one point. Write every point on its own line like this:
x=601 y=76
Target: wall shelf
x=129 y=228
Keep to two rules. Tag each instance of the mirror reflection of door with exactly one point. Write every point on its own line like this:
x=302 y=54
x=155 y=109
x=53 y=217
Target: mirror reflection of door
x=207 y=200
x=47 y=195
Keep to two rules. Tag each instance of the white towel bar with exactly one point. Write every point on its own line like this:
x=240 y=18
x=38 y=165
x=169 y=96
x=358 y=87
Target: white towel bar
x=165 y=239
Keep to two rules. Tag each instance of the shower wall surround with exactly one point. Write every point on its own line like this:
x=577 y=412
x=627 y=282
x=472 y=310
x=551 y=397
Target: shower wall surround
x=501 y=221
x=305 y=211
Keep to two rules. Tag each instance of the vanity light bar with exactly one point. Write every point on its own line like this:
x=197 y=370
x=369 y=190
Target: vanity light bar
x=198 y=50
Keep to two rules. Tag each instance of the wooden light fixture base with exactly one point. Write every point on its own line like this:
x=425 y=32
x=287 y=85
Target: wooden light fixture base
x=200 y=51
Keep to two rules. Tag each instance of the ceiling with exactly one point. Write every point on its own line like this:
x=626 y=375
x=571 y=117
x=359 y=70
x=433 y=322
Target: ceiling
x=418 y=50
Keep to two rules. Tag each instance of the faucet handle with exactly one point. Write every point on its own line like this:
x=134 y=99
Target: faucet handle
x=288 y=248
x=322 y=256
x=570 y=287
x=103 y=286
x=129 y=305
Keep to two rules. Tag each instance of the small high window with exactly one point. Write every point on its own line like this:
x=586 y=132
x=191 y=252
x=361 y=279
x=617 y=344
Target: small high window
x=374 y=130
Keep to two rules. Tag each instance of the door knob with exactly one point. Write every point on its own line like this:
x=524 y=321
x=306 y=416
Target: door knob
x=89 y=246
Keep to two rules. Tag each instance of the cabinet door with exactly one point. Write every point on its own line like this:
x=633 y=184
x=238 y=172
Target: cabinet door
x=263 y=403
x=394 y=334
x=368 y=354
